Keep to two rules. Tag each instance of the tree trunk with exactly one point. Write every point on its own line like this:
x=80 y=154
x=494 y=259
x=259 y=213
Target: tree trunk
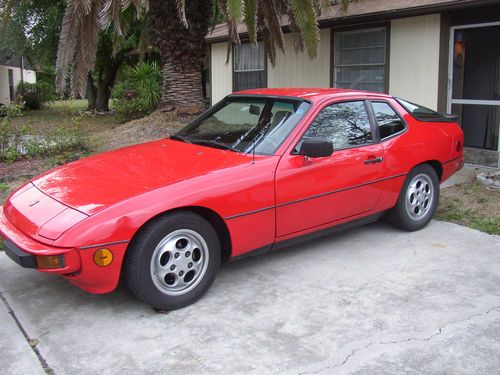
x=103 y=95
x=91 y=93
x=181 y=51
x=104 y=87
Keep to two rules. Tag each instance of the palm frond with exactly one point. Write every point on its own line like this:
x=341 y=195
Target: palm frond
x=111 y=13
x=320 y=5
x=234 y=14
x=269 y=47
x=87 y=49
x=304 y=16
x=270 y=22
x=181 y=12
x=251 y=10
x=67 y=41
x=234 y=11
x=140 y=5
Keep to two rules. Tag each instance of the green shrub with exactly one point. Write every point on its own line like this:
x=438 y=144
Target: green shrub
x=10 y=137
x=66 y=142
x=35 y=95
x=138 y=92
x=68 y=139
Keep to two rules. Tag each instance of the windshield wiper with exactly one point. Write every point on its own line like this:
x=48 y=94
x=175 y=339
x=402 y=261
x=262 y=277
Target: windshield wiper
x=209 y=142
x=177 y=137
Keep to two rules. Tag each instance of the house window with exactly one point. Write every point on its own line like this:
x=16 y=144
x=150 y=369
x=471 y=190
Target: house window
x=249 y=66
x=359 y=59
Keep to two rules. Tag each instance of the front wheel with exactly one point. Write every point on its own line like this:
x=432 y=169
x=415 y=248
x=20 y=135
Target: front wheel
x=418 y=199
x=173 y=260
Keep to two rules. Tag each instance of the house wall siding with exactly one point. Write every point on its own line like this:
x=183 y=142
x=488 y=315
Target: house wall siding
x=4 y=85
x=414 y=48
x=297 y=69
x=221 y=74
x=414 y=59
x=292 y=69
x=29 y=76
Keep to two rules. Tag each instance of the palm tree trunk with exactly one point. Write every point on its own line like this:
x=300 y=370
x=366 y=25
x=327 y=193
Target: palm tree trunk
x=105 y=85
x=181 y=51
x=91 y=93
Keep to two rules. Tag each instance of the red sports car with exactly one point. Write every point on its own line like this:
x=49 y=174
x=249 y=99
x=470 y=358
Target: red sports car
x=260 y=169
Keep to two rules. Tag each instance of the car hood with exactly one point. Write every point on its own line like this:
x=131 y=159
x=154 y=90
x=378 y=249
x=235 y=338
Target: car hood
x=92 y=184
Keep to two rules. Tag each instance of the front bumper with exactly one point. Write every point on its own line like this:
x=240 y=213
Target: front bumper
x=79 y=267
x=17 y=255
x=23 y=249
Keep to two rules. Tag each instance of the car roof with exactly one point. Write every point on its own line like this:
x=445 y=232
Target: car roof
x=313 y=94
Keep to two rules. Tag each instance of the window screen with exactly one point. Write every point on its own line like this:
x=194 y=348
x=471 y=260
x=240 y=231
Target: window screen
x=389 y=123
x=249 y=66
x=345 y=124
x=359 y=59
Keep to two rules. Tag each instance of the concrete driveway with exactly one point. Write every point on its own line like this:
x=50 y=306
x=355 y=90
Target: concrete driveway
x=372 y=300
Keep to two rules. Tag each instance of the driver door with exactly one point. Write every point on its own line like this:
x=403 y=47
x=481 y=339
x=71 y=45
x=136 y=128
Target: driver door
x=311 y=192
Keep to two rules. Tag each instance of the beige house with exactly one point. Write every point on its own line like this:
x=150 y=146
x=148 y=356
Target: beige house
x=441 y=54
x=11 y=74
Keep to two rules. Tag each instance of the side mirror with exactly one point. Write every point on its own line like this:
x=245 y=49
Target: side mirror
x=314 y=148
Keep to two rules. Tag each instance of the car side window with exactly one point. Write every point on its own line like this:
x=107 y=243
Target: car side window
x=389 y=122
x=345 y=124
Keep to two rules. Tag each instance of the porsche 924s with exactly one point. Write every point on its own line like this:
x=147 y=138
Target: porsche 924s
x=260 y=169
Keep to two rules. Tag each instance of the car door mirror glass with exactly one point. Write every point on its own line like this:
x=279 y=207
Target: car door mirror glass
x=315 y=148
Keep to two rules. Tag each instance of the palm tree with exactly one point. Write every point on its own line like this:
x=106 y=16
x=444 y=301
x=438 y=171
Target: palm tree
x=178 y=29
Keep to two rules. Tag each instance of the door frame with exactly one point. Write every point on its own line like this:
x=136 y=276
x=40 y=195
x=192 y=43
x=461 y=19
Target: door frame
x=450 y=101
x=451 y=49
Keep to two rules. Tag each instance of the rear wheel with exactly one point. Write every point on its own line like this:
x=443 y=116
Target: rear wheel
x=173 y=261
x=418 y=199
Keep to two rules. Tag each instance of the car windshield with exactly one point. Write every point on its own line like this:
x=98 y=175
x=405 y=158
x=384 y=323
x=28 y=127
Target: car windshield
x=246 y=124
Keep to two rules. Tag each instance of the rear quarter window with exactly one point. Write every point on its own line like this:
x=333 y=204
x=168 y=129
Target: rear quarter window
x=388 y=121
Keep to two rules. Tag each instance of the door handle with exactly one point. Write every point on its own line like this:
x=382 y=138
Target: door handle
x=374 y=160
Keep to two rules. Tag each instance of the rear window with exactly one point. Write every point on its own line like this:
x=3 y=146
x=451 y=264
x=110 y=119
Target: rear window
x=422 y=113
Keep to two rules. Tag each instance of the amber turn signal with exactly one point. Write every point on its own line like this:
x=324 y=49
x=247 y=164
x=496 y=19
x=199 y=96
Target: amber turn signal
x=103 y=257
x=50 y=261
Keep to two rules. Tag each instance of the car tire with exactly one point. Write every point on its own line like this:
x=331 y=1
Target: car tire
x=173 y=260
x=418 y=199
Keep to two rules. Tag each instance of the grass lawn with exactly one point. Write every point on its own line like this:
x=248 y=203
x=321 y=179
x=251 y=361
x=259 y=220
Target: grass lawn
x=472 y=205
x=63 y=110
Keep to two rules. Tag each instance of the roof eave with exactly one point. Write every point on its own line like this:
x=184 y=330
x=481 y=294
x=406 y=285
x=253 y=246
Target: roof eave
x=385 y=15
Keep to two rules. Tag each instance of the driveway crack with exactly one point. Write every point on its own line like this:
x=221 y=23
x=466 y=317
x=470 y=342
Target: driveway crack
x=428 y=338
x=29 y=340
